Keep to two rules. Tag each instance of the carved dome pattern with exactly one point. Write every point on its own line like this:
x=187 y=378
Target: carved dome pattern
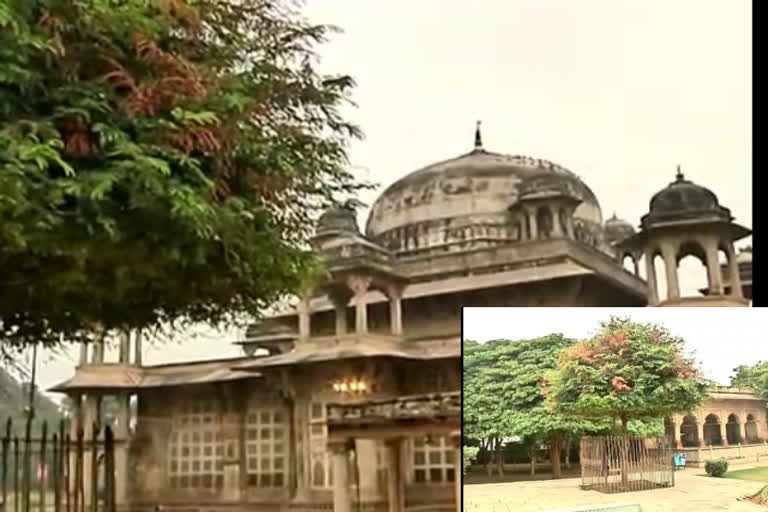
x=463 y=203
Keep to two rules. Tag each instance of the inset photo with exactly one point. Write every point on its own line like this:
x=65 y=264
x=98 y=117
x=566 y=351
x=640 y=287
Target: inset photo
x=621 y=409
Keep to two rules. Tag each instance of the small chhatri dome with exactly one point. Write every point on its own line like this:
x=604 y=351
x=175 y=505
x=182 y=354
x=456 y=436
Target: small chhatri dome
x=683 y=200
x=338 y=218
x=617 y=230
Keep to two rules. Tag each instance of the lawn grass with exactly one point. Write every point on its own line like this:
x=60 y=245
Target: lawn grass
x=754 y=474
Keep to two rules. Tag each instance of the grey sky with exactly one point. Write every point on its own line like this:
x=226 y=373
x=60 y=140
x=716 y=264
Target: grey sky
x=720 y=338
x=617 y=91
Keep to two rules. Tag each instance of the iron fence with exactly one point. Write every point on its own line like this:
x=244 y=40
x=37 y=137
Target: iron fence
x=49 y=471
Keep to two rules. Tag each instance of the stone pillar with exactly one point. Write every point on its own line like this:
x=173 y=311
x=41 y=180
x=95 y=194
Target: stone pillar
x=700 y=431
x=457 y=464
x=396 y=310
x=733 y=271
x=83 y=353
x=569 y=226
x=650 y=272
x=557 y=230
x=713 y=270
x=636 y=264
x=125 y=347
x=97 y=354
x=340 y=301
x=745 y=436
x=523 y=227
x=359 y=286
x=368 y=469
x=137 y=341
x=342 y=498
x=677 y=422
x=669 y=255
x=724 y=431
x=304 y=313
x=395 y=477
x=532 y=221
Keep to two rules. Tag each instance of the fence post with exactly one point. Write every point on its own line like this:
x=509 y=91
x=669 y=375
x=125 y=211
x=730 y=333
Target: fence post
x=16 y=453
x=6 y=447
x=94 y=468
x=109 y=470
x=42 y=467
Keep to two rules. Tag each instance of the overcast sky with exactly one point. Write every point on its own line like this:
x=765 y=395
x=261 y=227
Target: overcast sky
x=619 y=92
x=720 y=338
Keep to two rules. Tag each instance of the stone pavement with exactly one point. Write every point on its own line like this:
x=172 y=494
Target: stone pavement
x=692 y=493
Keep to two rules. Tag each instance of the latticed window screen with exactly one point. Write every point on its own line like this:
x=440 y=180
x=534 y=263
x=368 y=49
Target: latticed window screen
x=321 y=475
x=196 y=454
x=266 y=446
x=433 y=463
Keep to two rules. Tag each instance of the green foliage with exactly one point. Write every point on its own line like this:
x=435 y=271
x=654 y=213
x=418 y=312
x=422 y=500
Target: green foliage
x=159 y=160
x=753 y=377
x=716 y=468
x=505 y=390
x=627 y=371
x=469 y=453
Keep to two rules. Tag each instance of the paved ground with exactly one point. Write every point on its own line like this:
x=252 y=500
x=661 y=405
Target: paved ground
x=692 y=493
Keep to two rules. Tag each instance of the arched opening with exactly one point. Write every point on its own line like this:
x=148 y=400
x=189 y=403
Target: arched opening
x=689 y=431
x=544 y=222
x=750 y=429
x=712 y=434
x=692 y=269
x=733 y=429
x=628 y=262
x=661 y=276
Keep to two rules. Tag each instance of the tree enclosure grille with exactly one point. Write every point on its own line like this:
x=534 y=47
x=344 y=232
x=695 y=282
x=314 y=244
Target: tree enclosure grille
x=614 y=464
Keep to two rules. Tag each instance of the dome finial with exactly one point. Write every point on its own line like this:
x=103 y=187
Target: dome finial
x=679 y=176
x=478 y=136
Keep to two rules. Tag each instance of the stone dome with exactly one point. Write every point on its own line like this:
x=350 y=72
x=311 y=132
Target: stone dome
x=683 y=200
x=464 y=202
x=338 y=218
x=617 y=229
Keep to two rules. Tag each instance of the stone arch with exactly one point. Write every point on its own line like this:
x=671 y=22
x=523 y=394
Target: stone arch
x=689 y=431
x=733 y=429
x=712 y=435
x=692 y=266
x=544 y=222
x=750 y=429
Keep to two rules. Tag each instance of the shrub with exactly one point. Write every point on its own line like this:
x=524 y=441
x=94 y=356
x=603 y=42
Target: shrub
x=468 y=454
x=716 y=468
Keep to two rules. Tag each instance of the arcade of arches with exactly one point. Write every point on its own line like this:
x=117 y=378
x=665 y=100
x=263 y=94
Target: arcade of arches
x=730 y=416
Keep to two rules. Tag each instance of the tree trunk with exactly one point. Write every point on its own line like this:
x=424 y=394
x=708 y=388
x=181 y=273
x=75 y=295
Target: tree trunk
x=624 y=452
x=533 y=458
x=554 y=455
x=489 y=460
x=499 y=458
x=568 y=453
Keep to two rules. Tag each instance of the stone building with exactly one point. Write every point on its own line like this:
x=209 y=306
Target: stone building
x=351 y=395
x=731 y=424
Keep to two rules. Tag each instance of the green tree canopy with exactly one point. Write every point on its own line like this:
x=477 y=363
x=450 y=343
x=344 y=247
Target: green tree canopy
x=505 y=393
x=627 y=371
x=754 y=377
x=159 y=160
